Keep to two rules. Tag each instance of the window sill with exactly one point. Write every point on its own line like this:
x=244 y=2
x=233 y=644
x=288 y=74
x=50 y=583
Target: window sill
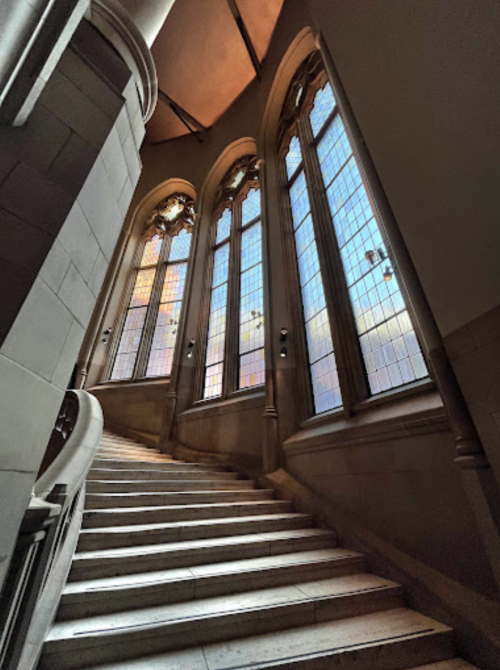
x=123 y=383
x=407 y=415
x=236 y=402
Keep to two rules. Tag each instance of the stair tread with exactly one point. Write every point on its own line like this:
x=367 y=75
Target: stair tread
x=193 y=507
x=194 y=610
x=239 y=520
x=187 y=545
x=172 y=494
x=210 y=570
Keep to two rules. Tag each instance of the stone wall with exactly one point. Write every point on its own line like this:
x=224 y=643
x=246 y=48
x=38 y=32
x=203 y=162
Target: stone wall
x=66 y=180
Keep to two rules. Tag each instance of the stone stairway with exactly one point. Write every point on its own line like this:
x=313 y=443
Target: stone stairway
x=183 y=566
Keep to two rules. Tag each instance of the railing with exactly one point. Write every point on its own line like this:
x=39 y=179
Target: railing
x=49 y=533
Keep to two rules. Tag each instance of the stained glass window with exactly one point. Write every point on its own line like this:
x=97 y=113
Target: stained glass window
x=252 y=364
x=388 y=341
x=323 y=368
x=148 y=336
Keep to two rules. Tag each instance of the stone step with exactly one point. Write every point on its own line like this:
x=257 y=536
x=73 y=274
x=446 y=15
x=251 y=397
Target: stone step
x=158 y=533
x=98 y=596
x=165 y=485
x=104 y=474
x=169 y=466
x=161 y=514
x=135 y=560
x=145 y=499
x=129 y=447
x=110 y=637
x=116 y=451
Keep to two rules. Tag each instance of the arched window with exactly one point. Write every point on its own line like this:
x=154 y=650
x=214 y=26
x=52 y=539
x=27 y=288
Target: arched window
x=236 y=318
x=148 y=332
x=352 y=303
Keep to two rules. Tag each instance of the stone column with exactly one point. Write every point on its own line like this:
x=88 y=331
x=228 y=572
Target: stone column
x=148 y=16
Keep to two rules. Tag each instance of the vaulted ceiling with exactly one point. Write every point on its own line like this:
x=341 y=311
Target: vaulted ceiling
x=203 y=61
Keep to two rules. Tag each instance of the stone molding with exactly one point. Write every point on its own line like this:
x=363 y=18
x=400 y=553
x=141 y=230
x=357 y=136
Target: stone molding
x=114 y=22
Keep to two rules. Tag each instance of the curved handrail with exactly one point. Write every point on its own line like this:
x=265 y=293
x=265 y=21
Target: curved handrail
x=49 y=534
x=71 y=465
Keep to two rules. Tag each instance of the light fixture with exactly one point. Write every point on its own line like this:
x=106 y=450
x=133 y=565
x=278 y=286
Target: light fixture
x=283 y=334
x=106 y=333
x=191 y=344
x=370 y=256
x=284 y=352
x=382 y=254
x=387 y=273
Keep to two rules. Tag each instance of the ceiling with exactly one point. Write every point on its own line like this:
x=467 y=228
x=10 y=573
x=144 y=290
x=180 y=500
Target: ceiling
x=203 y=62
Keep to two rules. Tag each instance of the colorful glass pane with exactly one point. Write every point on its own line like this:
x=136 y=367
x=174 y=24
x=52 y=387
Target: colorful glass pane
x=142 y=288
x=223 y=226
x=173 y=285
x=388 y=341
x=130 y=339
x=293 y=156
x=250 y=207
x=181 y=244
x=324 y=378
x=214 y=357
x=323 y=105
x=151 y=252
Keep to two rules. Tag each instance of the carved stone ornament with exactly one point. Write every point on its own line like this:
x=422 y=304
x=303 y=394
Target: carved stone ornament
x=309 y=72
x=172 y=215
x=245 y=169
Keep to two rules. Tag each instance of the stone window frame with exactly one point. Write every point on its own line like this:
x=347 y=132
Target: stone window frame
x=232 y=198
x=155 y=224
x=310 y=77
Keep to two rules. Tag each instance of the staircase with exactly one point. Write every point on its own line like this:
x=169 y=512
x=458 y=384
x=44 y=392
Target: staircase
x=183 y=566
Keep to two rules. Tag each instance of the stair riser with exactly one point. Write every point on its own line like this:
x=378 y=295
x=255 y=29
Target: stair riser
x=116 y=464
x=125 y=518
x=95 y=568
x=145 y=475
x=132 y=643
x=94 y=541
x=165 y=486
x=103 y=501
x=75 y=606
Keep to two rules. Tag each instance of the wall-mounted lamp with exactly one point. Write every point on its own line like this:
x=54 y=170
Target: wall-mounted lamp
x=370 y=256
x=106 y=333
x=387 y=273
x=382 y=254
x=284 y=352
x=283 y=334
x=191 y=344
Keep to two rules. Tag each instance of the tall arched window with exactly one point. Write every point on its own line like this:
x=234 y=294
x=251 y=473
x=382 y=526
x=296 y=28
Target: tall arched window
x=352 y=302
x=234 y=357
x=148 y=330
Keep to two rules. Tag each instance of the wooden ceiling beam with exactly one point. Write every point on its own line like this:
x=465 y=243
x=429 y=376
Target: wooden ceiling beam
x=246 y=38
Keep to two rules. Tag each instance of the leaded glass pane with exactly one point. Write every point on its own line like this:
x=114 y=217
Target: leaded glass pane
x=130 y=339
x=173 y=285
x=252 y=369
x=223 y=226
x=165 y=335
x=181 y=243
x=151 y=252
x=323 y=105
x=142 y=289
x=324 y=378
x=214 y=360
x=250 y=207
x=293 y=157
x=251 y=246
x=388 y=342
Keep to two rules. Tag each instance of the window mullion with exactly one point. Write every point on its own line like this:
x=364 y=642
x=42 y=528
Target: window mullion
x=232 y=321
x=152 y=313
x=349 y=366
